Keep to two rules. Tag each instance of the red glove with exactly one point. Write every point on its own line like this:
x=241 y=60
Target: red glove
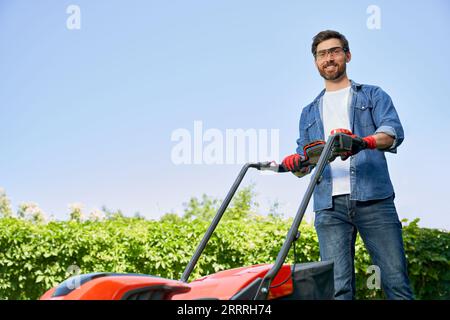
x=293 y=162
x=358 y=143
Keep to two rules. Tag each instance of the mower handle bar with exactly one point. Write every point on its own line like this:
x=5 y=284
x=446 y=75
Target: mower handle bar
x=268 y=165
x=263 y=289
x=327 y=155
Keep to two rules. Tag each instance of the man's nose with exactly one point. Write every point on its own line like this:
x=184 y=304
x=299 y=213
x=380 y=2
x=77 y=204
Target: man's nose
x=328 y=60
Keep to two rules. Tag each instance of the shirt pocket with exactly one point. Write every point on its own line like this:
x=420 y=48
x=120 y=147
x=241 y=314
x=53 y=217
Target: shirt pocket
x=363 y=116
x=312 y=130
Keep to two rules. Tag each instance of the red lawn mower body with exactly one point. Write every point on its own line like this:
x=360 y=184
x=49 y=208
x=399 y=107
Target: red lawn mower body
x=223 y=285
x=313 y=280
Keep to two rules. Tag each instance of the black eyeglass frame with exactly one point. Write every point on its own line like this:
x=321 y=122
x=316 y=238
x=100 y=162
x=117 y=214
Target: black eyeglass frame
x=330 y=51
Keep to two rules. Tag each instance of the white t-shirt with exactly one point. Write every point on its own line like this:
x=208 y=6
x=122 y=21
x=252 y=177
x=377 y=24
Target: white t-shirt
x=335 y=116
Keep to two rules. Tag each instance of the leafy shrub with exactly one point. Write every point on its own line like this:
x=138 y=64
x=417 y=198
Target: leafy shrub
x=36 y=256
x=33 y=257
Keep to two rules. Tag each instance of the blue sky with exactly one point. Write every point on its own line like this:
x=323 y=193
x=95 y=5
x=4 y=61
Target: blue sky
x=87 y=115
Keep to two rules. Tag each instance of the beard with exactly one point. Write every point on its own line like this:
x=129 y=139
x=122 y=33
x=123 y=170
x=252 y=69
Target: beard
x=335 y=73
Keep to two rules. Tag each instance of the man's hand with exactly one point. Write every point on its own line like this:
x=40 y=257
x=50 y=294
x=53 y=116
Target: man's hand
x=302 y=165
x=293 y=162
x=297 y=164
x=358 y=143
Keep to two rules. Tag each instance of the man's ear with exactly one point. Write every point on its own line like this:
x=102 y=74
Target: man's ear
x=348 y=57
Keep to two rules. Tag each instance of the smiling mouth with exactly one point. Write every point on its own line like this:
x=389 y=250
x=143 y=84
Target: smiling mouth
x=330 y=67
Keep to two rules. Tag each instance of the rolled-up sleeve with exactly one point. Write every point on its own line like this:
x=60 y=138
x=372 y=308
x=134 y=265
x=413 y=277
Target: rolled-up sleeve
x=391 y=132
x=386 y=119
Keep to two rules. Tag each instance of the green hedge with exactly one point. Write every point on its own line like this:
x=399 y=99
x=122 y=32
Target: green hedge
x=34 y=257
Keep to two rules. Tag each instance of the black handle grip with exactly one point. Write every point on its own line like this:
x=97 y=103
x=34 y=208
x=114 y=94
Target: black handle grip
x=269 y=165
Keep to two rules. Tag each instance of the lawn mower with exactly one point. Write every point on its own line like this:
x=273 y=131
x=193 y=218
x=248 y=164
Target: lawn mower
x=310 y=280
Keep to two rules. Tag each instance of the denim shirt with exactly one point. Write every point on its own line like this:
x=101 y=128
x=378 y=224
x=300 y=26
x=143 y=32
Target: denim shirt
x=371 y=111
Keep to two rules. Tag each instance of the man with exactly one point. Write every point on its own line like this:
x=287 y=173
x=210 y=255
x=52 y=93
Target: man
x=355 y=194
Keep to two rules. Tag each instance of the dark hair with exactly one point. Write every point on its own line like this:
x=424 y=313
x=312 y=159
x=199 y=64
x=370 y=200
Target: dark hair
x=329 y=34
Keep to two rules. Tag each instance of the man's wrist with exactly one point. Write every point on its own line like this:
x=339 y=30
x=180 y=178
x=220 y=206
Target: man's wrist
x=371 y=142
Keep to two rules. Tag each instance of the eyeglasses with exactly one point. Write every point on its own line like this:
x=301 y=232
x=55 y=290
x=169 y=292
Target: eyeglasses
x=322 y=54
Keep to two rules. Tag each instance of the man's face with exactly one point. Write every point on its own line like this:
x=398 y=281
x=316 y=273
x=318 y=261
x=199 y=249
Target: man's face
x=331 y=66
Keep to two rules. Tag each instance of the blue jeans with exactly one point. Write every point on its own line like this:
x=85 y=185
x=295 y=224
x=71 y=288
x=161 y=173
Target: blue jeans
x=380 y=229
